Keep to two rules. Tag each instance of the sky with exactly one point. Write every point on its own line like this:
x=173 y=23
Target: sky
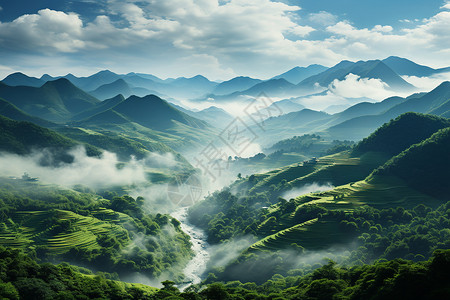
x=218 y=39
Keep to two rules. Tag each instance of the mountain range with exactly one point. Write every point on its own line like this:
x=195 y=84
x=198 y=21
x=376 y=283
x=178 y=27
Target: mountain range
x=295 y=82
x=55 y=101
x=121 y=102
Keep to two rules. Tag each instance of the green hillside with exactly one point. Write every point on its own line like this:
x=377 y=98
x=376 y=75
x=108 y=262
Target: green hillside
x=399 y=134
x=55 y=101
x=364 y=69
x=124 y=146
x=99 y=108
x=356 y=207
x=26 y=279
x=13 y=112
x=424 y=166
x=86 y=229
x=23 y=137
x=148 y=120
x=434 y=102
x=155 y=113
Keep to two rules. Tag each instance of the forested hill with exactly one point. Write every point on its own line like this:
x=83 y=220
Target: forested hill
x=424 y=166
x=402 y=132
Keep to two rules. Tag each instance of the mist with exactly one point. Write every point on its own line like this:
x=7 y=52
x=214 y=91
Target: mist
x=306 y=189
x=426 y=84
x=261 y=266
x=221 y=255
x=93 y=172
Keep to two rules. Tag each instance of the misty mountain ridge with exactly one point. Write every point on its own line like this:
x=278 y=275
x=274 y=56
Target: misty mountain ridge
x=297 y=81
x=372 y=69
x=433 y=102
x=236 y=84
x=297 y=74
x=149 y=111
x=403 y=66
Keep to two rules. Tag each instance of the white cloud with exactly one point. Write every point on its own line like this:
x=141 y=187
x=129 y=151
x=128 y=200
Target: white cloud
x=383 y=28
x=446 y=5
x=428 y=41
x=425 y=84
x=47 y=29
x=90 y=171
x=306 y=189
x=323 y=18
x=321 y=102
x=247 y=37
x=351 y=90
x=354 y=86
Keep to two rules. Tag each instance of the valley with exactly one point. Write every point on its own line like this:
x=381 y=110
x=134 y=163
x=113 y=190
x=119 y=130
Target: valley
x=186 y=188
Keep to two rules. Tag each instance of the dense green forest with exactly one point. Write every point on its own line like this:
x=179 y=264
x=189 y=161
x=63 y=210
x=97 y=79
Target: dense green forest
x=23 y=278
x=393 y=279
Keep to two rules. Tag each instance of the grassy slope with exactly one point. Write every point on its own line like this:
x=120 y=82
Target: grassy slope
x=22 y=137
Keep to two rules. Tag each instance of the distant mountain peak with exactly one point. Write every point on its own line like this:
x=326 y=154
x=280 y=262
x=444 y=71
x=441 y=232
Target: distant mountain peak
x=404 y=66
x=103 y=72
x=297 y=74
x=21 y=79
x=60 y=82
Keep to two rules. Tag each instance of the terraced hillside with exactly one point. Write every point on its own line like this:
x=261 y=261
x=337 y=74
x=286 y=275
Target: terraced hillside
x=60 y=230
x=335 y=169
x=312 y=235
x=313 y=220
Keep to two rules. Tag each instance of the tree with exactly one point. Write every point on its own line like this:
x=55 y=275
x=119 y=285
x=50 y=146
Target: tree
x=216 y=291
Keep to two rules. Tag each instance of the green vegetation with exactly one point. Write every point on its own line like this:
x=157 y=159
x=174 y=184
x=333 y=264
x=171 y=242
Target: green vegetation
x=377 y=210
x=23 y=278
x=55 y=101
x=13 y=112
x=425 y=165
x=124 y=146
x=23 y=137
x=114 y=235
x=392 y=212
x=394 y=279
x=401 y=133
x=311 y=144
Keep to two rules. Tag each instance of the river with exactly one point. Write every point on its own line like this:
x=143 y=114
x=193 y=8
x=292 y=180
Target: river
x=197 y=265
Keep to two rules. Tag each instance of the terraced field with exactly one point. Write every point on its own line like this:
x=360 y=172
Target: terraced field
x=60 y=230
x=379 y=192
x=312 y=235
x=337 y=169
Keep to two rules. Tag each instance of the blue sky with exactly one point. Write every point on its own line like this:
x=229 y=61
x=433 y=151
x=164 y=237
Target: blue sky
x=219 y=39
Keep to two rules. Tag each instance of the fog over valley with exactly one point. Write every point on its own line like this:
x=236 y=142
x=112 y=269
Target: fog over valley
x=224 y=149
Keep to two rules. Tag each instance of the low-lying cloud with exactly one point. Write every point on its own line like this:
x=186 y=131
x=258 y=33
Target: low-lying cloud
x=306 y=189
x=93 y=172
x=353 y=86
x=425 y=84
x=221 y=255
